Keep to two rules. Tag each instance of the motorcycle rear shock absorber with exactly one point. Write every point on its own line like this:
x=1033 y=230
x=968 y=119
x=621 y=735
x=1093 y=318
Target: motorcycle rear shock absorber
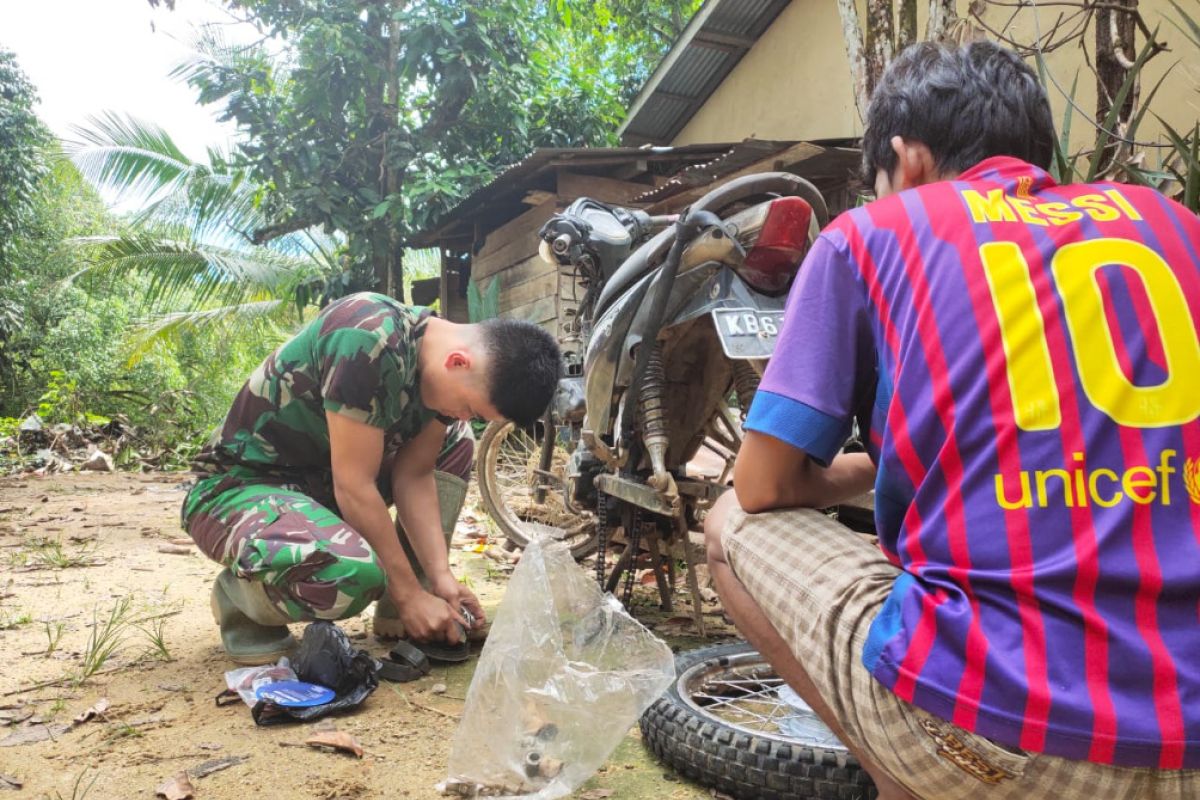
x=745 y=384
x=654 y=411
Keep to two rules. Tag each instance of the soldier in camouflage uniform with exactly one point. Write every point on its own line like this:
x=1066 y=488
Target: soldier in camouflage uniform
x=365 y=407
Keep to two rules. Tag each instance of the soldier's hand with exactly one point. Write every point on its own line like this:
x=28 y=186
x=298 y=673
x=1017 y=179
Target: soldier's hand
x=430 y=618
x=459 y=596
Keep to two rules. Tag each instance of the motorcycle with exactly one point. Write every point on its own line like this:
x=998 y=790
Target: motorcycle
x=678 y=316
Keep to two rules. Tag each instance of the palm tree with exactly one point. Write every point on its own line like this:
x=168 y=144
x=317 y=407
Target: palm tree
x=190 y=234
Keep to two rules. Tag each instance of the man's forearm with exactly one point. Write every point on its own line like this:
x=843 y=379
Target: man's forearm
x=846 y=477
x=419 y=511
x=365 y=511
x=767 y=486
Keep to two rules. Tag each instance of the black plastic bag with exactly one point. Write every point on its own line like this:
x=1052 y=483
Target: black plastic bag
x=325 y=658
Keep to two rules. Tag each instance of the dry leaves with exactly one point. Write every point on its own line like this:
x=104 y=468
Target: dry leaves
x=595 y=794
x=93 y=712
x=9 y=782
x=177 y=788
x=338 y=740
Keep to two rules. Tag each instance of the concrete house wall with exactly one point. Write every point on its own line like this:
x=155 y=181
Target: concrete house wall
x=794 y=83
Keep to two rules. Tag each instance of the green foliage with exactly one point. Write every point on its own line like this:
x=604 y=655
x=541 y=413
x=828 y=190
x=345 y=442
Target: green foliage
x=23 y=142
x=379 y=115
x=484 y=304
x=1117 y=153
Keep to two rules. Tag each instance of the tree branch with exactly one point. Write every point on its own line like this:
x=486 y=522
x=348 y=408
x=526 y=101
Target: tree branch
x=264 y=235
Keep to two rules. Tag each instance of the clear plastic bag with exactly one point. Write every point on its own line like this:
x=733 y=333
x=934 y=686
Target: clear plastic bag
x=245 y=681
x=565 y=673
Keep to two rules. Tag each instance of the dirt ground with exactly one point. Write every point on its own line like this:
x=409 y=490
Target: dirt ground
x=74 y=546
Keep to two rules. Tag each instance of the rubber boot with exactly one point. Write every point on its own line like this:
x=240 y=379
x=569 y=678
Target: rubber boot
x=452 y=494
x=253 y=630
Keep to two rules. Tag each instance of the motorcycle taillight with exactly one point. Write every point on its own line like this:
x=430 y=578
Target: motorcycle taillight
x=772 y=261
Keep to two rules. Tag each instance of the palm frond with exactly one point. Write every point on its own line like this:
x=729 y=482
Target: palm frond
x=238 y=319
x=200 y=273
x=128 y=156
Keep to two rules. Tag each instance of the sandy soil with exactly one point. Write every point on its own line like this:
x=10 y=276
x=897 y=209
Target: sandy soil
x=72 y=547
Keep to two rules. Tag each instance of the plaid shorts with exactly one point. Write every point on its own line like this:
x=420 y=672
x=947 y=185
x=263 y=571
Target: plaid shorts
x=821 y=585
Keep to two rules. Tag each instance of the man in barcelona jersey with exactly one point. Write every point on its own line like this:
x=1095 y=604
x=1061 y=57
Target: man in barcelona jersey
x=1022 y=361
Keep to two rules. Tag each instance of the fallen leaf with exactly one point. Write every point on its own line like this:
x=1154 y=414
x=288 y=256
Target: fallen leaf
x=31 y=734
x=216 y=765
x=9 y=782
x=339 y=740
x=177 y=788
x=93 y=712
x=595 y=794
x=175 y=550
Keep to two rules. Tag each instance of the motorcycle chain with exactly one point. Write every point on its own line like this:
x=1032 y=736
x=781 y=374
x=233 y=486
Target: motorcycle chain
x=635 y=543
x=601 y=536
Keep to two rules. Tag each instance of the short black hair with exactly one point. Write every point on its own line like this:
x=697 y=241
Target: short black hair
x=525 y=365
x=965 y=103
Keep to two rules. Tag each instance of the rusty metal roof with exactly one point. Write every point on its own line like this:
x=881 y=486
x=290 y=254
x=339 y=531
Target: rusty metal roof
x=537 y=170
x=706 y=52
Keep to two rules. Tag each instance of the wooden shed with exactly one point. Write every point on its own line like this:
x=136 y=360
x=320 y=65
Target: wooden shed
x=490 y=265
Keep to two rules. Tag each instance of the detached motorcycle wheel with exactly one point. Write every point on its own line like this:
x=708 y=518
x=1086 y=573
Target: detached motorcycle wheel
x=725 y=724
x=507 y=464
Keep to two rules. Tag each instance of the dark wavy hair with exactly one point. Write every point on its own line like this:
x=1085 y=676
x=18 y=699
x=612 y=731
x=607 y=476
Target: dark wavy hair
x=964 y=103
x=525 y=364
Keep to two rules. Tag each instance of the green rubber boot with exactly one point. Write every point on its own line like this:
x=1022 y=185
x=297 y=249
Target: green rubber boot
x=253 y=630
x=452 y=494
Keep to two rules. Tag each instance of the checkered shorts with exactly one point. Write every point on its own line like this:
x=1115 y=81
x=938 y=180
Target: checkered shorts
x=821 y=586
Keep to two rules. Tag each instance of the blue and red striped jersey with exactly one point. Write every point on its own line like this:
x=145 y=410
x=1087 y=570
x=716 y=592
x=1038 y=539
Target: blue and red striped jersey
x=1024 y=358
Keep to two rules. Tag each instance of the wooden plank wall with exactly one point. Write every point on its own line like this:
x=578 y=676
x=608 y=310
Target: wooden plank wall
x=531 y=289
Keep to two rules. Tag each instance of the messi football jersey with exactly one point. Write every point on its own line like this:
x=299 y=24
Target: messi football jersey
x=1024 y=360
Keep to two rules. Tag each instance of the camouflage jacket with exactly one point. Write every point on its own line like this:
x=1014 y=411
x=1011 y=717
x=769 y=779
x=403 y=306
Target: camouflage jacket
x=358 y=357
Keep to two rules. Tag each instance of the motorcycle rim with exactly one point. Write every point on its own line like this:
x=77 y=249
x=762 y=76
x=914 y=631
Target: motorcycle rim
x=507 y=463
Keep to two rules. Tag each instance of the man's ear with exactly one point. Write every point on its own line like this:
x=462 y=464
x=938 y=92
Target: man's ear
x=457 y=359
x=914 y=163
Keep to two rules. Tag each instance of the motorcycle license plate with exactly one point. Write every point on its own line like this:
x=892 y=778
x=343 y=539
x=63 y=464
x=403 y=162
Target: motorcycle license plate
x=747 y=332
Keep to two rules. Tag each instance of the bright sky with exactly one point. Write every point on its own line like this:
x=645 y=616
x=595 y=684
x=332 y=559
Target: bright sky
x=88 y=56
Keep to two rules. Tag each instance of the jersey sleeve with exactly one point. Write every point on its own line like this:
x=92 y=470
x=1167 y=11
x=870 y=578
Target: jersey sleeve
x=824 y=360
x=362 y=371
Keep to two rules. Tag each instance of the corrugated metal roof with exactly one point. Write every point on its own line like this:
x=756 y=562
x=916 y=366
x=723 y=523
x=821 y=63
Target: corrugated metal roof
x=710 y=47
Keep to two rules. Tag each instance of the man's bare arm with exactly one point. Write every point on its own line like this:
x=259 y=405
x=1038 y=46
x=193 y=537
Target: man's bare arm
x=414 y=491
x=356 y=451
x=770 y=473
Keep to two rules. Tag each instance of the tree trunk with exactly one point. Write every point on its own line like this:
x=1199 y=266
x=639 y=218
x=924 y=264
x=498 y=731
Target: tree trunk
x=906 y=32
x=852 y=35
x=386 y=256
x=941 y=17
x=1115 y=54
x=880 y=39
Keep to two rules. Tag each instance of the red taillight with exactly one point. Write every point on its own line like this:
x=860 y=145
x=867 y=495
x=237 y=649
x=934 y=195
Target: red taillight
x=772 y=261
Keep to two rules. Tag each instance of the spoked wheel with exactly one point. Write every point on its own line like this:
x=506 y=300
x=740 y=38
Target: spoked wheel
x=731 y=723
x=524 y=501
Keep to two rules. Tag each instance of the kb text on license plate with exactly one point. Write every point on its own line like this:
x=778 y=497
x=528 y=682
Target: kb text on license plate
x=747 y=332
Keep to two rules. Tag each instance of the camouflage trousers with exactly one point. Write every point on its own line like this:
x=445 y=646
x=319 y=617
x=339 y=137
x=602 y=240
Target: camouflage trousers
x=288 y=534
